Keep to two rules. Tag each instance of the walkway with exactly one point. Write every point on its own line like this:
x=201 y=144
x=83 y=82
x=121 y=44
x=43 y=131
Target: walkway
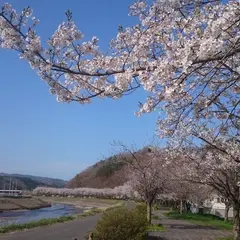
x=76 y=229
x=183 y=230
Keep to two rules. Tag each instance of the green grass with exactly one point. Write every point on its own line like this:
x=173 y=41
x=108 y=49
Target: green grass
x=156 y=217
x=202 y=219
x=91 y=212
x=95 y=211
x=156 y=228
x=42 y=222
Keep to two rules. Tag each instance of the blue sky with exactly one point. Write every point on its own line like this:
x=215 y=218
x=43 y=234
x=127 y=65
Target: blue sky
x=42 y=137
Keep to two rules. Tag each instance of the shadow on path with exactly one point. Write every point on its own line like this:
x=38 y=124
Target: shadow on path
x=184 y=230
x=183 y=226
x=156 y=238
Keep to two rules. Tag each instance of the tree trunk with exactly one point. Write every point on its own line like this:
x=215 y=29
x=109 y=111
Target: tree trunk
x=175 y=205
x=236 y=215
x=181 y=206
x=149 y=212
x=227 y=207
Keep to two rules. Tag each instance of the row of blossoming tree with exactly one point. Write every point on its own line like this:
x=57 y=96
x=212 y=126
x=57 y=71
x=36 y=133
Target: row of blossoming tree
x=184 y=53
x=121 y=192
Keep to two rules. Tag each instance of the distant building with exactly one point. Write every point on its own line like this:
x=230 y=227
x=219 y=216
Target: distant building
x=6 y=193
x=215 y=205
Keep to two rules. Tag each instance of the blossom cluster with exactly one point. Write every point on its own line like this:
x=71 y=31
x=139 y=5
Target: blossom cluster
x=120 y=192
x=184 y=54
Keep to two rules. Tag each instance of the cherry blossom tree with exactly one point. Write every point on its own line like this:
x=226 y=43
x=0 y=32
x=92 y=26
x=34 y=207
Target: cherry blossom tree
x=188 y=192
x=121 y=192
x=185 y=54
x=147 y=172
x=207 y=166
x=185 y=187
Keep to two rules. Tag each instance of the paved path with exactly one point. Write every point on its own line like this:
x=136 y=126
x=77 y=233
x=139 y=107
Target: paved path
x=183 y=230
x=62 y=231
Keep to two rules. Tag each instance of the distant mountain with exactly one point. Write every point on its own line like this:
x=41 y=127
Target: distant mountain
x=28 y=182
x=107 y=173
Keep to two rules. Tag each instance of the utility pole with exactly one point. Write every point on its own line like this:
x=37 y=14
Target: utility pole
x=10 y=183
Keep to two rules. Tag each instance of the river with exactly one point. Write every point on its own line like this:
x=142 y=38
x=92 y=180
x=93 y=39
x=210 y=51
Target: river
x=25 y=216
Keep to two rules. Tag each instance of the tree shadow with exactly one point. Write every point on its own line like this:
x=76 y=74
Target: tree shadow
x=182 y=226
x=156 y=238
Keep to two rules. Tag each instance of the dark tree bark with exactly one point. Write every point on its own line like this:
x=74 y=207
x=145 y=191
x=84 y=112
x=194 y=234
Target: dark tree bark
x=236 y=215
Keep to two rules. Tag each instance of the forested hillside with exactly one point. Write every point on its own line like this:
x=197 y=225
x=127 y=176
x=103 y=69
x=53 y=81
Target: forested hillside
x=105 y=173
x=27 y=182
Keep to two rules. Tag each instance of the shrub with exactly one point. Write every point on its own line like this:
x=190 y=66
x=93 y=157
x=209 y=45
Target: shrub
x=122 y=224
x=156 y=207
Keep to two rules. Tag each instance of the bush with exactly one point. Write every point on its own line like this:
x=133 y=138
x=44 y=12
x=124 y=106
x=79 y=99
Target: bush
x=156 y=207
x=122 y=224
x=141 y=208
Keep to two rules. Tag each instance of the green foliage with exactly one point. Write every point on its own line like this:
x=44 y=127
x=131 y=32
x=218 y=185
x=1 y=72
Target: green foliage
x=156 y=207
x=28 y=183
x=122 y=224
x=95 y=211
x=141 y=207
x=42 y=222
x=109 y=168
x=91 y=212
x=203 y=219
x=156 y=228
x=155 y=217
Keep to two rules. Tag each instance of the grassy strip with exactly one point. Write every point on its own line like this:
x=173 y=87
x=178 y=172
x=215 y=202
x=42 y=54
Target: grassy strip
x=42 y=222
x=88 y=213
x=156 y=217
x=76 y=200
x=95 y=211
x=156 y=228
x=202 y=219
x=50 y=221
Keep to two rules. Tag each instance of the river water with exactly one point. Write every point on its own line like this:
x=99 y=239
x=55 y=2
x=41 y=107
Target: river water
x=25 y=216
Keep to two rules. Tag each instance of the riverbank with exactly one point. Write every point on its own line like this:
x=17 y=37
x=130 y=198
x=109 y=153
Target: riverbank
x=30 y=203
x=83 y=203
x=45 y=222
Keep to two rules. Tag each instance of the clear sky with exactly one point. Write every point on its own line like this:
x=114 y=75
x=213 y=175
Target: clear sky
x=40 y=136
